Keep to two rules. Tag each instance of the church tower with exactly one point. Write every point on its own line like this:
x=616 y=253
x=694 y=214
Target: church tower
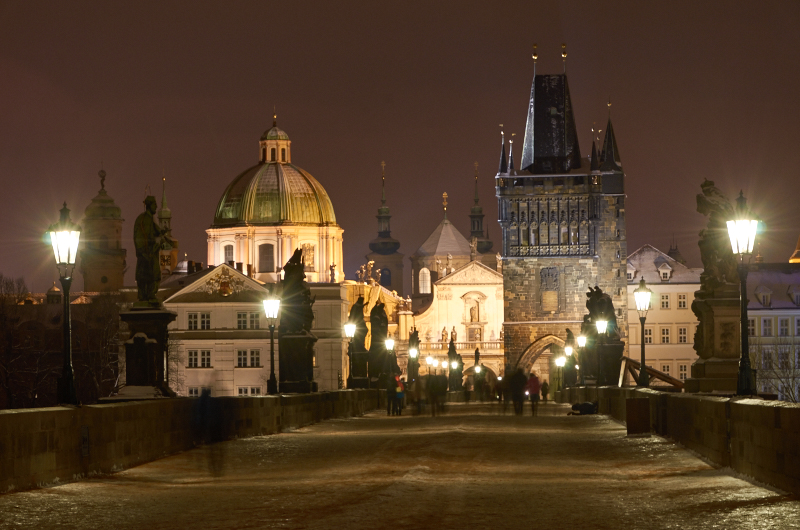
x=168 y=255
x=384 y=248
x=563 y=226
x=476 y=222
x=102 y=258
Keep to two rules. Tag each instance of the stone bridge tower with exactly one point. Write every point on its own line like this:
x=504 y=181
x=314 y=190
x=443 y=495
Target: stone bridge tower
x=563 y=225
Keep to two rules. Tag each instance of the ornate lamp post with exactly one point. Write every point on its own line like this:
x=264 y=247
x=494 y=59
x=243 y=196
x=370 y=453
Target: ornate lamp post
x=560 y=362
x=350 y=332
x=413 y=354
x=602 y=325
x=581 y=344
x=643 y=295
x=272 y=306
x=65 y=236
x=742 y=232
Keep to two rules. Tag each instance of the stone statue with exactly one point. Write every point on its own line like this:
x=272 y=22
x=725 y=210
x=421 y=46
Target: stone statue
x=473 y=248
x=368 y=271
x=453 y=335
x=473 y=313
x=444 y=334
x=449 y=267
x=360 y=274
x=296 y=313
x=332 y=268
x=147 y=240
x=601 y=307
x=378 y=358
x=356 y=317
x=719 y=263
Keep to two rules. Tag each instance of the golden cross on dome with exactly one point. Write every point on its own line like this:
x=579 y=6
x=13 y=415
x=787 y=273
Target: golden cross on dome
x=444 y=203
x=535 y=54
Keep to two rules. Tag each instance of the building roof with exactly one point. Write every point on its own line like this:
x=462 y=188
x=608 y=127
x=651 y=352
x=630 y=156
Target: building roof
x=648 y=262
x=273 y=193
x=102 y=206
x=446 y=239
x=220 y=284
x=780 y=280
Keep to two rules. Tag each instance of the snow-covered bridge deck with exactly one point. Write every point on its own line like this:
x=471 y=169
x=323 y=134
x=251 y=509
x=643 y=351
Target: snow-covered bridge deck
x=471 y=468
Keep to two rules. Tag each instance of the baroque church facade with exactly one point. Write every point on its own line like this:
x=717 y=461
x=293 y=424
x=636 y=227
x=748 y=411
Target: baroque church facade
x=562 y=220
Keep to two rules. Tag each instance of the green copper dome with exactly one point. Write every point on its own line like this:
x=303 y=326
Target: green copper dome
x=274 y=193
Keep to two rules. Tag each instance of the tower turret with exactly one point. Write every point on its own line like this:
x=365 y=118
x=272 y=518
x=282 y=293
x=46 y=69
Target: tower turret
x=476 y=221
x=384 y=248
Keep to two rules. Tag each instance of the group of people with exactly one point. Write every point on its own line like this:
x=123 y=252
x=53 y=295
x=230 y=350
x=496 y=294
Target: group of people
x=519 y=387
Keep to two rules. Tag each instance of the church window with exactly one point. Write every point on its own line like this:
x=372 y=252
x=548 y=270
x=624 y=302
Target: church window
x=266 y=258
x=255 y=320
x=424 y=281
x=682 y=301
x=564 y=236
x=272 y=154
x=241 y=359
x=523 y=234
x=386 y=278
x=573 y=235
x=308 y=256
x=228 y=253
x=533 y=237
x=283 y=154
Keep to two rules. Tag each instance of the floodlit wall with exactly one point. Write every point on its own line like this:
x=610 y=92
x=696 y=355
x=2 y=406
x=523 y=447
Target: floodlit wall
x=61 y=444
x=757 y=438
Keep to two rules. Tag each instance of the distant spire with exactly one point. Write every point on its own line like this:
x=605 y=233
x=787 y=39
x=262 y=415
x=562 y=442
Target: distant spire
x=444 y=204
x=476 y=183
x=102 y=175
x=511 y=154
x=503 y=164
x=610 y=153
x=383 y=183
x=274 y=117
x=535 y=57
x=564 y=56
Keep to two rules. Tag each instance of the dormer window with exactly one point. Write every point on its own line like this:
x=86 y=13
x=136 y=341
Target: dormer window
x=664 y=272
x=764 y=296
x=665 y=275
x=631 y=273
x=794 y=294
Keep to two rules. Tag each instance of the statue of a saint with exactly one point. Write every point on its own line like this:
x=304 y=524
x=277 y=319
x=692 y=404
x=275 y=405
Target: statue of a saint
x=147 y=240
x=444 y=334
x=473 y=313
x=453 y=335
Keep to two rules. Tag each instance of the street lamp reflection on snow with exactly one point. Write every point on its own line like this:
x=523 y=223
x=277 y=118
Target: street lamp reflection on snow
x=272 y=306
x=65 y=236
x=642 y=295
x=742 y=232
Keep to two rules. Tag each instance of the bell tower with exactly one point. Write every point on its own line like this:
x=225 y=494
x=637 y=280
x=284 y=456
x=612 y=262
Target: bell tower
x=102 y=258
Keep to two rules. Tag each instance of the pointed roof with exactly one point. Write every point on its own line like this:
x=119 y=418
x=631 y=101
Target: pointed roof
x=675 y=254
x=511 y=156
x=446 y=239
x=610 y=153
x=551 y=138
x=503 y=169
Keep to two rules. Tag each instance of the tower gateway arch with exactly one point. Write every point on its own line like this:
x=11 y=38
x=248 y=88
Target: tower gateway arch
x=562 y=218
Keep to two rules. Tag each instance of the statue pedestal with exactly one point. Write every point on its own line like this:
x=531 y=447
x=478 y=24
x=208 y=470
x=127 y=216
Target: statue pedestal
x=145 y=357
x=296 y=362
x=609 y=357
x=717 y=341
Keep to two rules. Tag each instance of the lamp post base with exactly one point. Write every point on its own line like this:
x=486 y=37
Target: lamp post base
x=272 y=385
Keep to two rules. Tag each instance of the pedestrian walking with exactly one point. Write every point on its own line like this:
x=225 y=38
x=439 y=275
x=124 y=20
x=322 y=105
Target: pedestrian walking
x=545 y=391
x=517 y=386
x=532 y=388
x=391 y=394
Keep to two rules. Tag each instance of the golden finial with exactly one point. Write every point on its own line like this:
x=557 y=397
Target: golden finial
x=564 y=56
x=535 y=54
x=274 y=117
x=512 y=138
x=383 y=168
x=444 y=203
x=609 y=106
x=476 y=170
x=502 y=132
x=383 y=183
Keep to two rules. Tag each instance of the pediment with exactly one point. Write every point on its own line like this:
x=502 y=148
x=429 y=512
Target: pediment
x=223 y=282
x=473 y=273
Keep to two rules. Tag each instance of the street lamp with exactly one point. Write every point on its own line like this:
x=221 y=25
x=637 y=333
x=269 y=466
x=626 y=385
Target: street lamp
x=560 y=362
x=643 y=295
x=742 y=232
x=65 y=236
x=581 y=341
x=568 y=350
x=413 y=353
x=272 y=306
x=601 y=326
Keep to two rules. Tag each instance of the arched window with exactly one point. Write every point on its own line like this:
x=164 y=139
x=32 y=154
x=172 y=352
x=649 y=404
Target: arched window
x=573 y=235
x=228 y=253
x=564 y=237
x=263 y=154
x=523 y=234
x=386 y=278
x=424 y=281
x=266 y=258
x=283 y=154
x=272 y=152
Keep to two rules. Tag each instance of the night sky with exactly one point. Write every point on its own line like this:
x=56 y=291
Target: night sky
x=698 y=89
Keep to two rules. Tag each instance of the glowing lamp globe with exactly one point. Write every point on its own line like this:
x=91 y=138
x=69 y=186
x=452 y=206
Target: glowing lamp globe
x=389 y=344
x=349 y=330
x=601 y=326
x=429 y=359
x=454 y=365
x=65 y=236
x=272 y=306
x=413 y=352
x=581 y=341
x=568 y=350
x=561 y=361
x=642 y=295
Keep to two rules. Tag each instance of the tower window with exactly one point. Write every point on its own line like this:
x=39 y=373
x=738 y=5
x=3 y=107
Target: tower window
x=283 y=154
x=573 y=235
x=424 y=281
x=564 y=240
x=228 y=253
x=266 y=258
x=263 y=154
x=272 y=154
x=386 y=278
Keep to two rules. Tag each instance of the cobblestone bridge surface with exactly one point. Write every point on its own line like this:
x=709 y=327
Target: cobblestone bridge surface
x=471 y=468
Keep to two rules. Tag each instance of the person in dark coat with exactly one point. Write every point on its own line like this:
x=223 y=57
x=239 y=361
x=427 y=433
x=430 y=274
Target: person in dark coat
x=391 y=395
x=517 y=386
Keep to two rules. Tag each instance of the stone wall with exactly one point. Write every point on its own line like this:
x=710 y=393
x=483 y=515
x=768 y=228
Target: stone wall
x=757 y=438
x=60 y=444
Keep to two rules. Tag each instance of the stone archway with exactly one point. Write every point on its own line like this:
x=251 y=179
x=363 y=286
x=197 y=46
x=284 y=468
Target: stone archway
x=535 y=350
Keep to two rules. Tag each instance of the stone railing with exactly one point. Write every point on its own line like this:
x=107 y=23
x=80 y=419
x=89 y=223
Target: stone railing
x=755 y=437
x=60 y=444
x=463 y=346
